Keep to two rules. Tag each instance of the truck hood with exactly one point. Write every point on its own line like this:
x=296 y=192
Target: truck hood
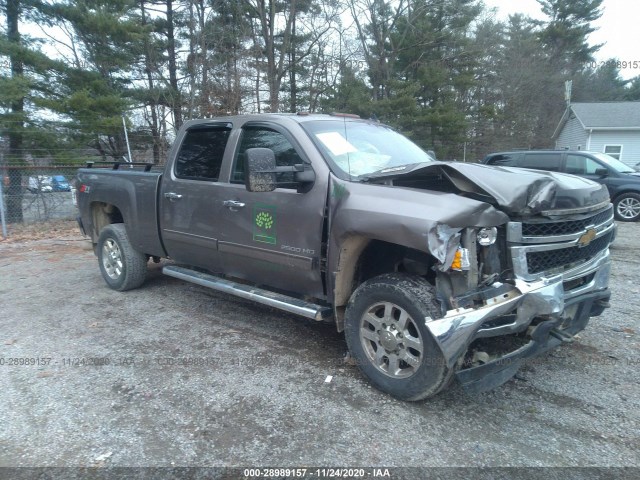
x=429 y=204
x=515 y=191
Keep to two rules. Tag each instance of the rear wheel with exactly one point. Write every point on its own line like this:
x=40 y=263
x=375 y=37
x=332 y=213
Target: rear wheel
x=122 y=267
x=627 y=207
x=386 y=333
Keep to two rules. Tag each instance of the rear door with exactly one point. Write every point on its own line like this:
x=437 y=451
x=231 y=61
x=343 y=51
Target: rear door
x=273 y=238
x=190 y=206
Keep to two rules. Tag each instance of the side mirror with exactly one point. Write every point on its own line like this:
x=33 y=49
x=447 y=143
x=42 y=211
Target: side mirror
x=260 y=172
x=259 y=168
x=305 y=176
x=602 y=172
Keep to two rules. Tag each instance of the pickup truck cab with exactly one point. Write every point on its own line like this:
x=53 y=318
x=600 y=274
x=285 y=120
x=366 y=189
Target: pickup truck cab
x=433 y=270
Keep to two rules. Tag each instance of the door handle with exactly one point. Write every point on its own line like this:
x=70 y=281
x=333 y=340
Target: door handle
x=232 y=204
x=172 y=196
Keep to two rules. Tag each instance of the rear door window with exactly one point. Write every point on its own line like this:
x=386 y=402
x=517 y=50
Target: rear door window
x=543 y=161
x=201 y=153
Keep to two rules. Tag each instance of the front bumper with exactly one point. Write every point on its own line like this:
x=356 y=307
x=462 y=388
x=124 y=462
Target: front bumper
x=546 y=300
x=547 y=335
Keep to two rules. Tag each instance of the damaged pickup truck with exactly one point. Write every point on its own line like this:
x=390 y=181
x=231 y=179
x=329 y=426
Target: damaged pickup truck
x=434 y=271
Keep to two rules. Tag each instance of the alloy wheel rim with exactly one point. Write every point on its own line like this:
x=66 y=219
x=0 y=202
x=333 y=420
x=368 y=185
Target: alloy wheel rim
x=112 y=259
x=391 y=340
x=629 y=208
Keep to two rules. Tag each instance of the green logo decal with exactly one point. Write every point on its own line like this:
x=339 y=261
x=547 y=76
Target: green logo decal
x=338 y=191
x=264 y=224
x=264 y=220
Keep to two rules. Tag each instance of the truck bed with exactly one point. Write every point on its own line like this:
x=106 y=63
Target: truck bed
x=134 y=193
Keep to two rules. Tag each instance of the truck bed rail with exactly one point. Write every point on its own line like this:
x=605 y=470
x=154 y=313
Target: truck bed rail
x=116 y=165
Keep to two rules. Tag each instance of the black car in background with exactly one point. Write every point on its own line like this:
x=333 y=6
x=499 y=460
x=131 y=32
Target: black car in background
x=622 y=181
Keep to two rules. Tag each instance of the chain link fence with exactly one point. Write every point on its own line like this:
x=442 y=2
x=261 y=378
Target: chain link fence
x=37 y=194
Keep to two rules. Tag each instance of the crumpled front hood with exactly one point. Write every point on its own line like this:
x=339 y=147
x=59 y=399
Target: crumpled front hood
x=516 y=191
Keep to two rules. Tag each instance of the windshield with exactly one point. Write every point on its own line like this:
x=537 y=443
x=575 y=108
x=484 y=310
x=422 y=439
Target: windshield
x=614 y=163
x=361 y=148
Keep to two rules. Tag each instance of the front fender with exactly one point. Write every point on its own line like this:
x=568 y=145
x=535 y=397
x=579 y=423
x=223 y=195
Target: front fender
x=421 y=220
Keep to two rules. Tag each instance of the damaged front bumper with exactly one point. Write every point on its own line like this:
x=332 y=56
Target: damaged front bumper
x=559 y=314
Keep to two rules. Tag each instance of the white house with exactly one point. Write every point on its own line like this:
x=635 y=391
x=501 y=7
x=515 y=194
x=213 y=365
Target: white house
x=608 y=127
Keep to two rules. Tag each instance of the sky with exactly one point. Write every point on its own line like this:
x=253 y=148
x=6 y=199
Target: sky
x=618 y=28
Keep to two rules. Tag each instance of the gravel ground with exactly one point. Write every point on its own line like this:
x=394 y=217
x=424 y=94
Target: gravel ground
x=175 y=375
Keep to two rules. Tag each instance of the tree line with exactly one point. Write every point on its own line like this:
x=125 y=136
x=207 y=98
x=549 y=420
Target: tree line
x=446 y=73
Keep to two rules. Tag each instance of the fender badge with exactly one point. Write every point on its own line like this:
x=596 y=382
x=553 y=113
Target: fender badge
x=587 y=237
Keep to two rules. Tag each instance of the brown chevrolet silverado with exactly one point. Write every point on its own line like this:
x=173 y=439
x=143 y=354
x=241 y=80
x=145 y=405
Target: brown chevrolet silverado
x=434 y=271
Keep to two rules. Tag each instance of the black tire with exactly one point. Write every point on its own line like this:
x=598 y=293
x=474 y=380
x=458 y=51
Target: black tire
x=626 y=207
x=122 y=267
x=378 y=353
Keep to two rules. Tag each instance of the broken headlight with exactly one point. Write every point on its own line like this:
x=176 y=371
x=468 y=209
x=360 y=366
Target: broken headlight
x=487 y=236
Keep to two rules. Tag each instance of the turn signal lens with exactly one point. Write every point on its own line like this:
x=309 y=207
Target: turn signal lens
x=461 y=260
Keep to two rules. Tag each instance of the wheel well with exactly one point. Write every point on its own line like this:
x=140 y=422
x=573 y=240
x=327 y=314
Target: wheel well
x=103 y=214
x=362 y=259
x=613 y=199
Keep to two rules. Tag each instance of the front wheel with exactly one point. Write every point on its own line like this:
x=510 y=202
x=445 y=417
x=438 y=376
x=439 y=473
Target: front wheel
x=387 y=335
x=122 y=267
x=627 y=207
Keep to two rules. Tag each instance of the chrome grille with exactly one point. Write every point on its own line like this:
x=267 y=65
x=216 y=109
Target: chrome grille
x=551 y=259
x=565 y=227
x=549 y=246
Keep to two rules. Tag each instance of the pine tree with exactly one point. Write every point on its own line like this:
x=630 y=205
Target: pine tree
x=350 y=95
x=565 y=34
x=438 y=58
x=25 y=89
x=564 y=40
x=14 y=120
x=96 y=89
x=600 y=85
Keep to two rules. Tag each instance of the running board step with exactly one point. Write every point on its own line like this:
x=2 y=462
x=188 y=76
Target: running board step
x=276 y=300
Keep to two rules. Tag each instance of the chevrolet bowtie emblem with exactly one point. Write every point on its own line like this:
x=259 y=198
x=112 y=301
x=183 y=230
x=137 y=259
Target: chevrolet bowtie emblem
x=587 y=237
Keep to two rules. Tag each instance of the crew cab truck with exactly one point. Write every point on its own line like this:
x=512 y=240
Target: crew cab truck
x=434 y=271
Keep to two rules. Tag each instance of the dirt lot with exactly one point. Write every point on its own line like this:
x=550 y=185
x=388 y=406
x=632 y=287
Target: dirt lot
x=175 y=375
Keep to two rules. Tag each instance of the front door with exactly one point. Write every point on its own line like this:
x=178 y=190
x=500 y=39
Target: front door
x=273 y=238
